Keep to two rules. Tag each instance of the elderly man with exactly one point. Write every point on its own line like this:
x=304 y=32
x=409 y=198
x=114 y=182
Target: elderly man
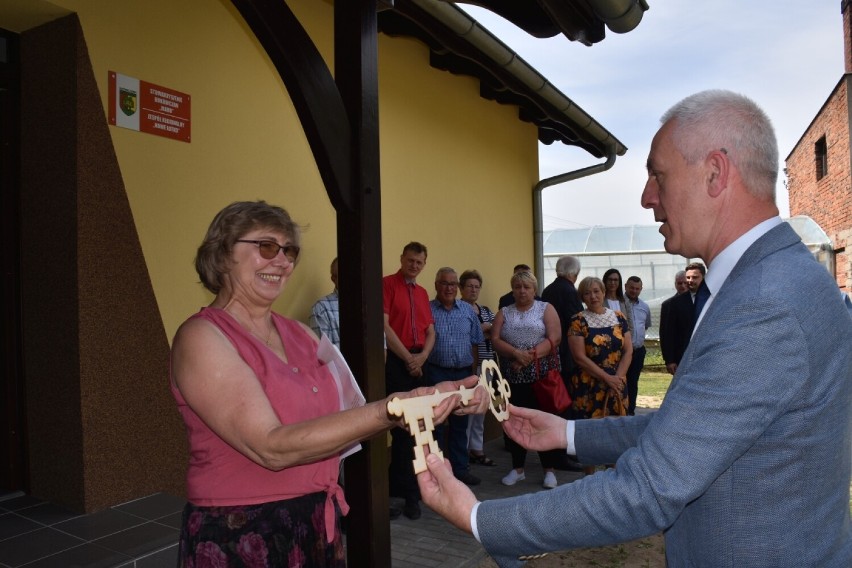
x=457 y=338
x=325 y=315
x=666 y=338
x=747 y=461
x=562 y=295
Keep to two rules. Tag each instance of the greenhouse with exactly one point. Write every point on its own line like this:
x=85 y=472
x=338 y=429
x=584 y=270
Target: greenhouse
x=637 y=250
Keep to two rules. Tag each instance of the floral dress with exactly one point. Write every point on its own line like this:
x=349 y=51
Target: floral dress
x=603 y=335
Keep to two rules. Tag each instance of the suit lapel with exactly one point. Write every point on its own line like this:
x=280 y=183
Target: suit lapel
x=777 y=238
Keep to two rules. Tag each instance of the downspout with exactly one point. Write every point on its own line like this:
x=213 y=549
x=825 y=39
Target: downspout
x=538 y=214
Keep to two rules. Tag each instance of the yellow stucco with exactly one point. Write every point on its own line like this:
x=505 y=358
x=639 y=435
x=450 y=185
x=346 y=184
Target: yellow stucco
x=457 y=170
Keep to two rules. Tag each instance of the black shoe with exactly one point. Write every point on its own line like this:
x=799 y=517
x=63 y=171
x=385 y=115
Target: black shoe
x=569 y=463
x=412 y=511
x=469 y=479
x=394 y=512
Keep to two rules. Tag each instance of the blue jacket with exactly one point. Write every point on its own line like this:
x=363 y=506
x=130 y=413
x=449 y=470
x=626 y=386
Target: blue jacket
x=747 y=461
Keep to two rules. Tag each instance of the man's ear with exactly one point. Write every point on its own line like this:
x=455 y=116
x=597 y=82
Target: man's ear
x=719 y=166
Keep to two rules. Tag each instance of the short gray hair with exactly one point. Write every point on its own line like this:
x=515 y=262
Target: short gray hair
x=444 y=270
x=727 y=121
x=567 y=266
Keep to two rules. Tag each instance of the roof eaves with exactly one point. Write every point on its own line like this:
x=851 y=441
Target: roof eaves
x=460 y=45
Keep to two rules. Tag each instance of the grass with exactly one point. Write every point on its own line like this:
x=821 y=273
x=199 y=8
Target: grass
x=654 y=380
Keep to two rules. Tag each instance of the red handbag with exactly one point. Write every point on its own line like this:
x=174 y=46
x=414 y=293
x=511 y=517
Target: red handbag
x=550 y=391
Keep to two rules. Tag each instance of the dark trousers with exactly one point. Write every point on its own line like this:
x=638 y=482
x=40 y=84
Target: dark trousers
x=401 y=478
x=452 y=437
x=523 y=395
x=633 y=372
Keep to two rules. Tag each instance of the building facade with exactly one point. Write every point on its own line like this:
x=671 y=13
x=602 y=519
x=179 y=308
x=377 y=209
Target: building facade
x=107 y=219
x=819 y=168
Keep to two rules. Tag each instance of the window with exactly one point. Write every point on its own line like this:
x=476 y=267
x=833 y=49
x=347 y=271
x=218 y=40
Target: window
x=821 y=157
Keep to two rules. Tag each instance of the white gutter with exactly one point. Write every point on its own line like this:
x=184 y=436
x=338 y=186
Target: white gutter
x=538 y=213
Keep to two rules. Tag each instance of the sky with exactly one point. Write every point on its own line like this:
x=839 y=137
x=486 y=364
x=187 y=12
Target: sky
x=786 y=55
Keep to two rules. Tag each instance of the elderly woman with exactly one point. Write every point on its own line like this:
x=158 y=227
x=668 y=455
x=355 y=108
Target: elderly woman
x=601 y=346
x=262 y=411
x=522 y=333
x=471 y=285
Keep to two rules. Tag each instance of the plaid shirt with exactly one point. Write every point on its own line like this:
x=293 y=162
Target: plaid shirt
x=325 y=317
x=457 y=330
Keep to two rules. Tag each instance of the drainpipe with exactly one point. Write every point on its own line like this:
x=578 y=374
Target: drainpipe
x=538 y=214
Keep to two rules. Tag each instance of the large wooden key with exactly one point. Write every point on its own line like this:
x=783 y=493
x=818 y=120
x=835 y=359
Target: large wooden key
x=417 y=411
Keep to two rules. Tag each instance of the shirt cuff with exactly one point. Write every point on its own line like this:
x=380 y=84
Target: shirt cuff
x=473 y=528
x=570 y=449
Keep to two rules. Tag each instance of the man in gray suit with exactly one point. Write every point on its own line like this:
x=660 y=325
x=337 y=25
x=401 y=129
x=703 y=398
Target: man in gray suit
x=747 y=461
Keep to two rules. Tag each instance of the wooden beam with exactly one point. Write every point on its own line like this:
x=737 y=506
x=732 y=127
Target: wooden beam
x=340 y=120
x=312 y=90
x=359 y=238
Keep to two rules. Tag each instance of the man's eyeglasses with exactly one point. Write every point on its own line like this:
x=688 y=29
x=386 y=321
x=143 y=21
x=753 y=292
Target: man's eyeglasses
x=269 y=249
x=446 y=284
x=472 y=287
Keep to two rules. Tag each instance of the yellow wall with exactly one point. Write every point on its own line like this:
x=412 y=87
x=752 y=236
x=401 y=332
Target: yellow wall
x=457 y=170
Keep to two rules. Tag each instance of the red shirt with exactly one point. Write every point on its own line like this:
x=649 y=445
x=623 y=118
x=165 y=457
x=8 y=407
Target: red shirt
x=409 y=323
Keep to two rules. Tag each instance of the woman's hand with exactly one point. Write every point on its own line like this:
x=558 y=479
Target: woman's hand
x=524 y=358
x=615 y=382
x=478 y=404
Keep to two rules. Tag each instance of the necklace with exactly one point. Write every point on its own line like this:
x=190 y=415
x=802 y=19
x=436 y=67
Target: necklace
x=251 y=329
x=268 y=339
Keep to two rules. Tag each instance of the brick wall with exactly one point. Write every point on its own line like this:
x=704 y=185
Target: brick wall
x=827 y=201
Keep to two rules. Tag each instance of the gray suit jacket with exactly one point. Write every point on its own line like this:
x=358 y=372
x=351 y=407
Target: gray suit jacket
x=747 y=461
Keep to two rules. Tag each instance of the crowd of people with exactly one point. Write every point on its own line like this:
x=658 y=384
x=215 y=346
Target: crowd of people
x=448 y=337
x=747 y=462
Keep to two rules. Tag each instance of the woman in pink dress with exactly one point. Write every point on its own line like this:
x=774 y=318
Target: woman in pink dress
x=262 y=410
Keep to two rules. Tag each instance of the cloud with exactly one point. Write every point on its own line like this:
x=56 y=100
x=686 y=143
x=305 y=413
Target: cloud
x=787 y=56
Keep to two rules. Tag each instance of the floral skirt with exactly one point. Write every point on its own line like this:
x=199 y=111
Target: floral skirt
x=287 y=533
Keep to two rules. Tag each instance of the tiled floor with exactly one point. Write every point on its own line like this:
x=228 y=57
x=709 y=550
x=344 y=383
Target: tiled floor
x=144 y=533
x=139 y=534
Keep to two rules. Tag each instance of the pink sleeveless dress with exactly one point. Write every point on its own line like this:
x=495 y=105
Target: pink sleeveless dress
x=223 y=484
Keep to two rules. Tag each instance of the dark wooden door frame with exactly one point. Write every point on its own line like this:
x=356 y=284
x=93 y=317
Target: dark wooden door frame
x=13 y=454
x=341 y=121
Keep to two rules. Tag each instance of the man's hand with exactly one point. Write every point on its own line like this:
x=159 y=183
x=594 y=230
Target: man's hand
x=535 y=430
x=671 y=368
x=445 y=494
x=415 y=364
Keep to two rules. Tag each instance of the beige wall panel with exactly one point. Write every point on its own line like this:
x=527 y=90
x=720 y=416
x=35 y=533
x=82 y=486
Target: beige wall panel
x=457 y=170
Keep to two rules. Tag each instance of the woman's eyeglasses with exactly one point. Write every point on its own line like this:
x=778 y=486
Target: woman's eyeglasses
x=269 y=249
